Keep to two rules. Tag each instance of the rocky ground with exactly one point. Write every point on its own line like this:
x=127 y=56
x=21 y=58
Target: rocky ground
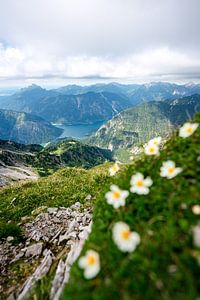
x=10 y=174
x=51 y=236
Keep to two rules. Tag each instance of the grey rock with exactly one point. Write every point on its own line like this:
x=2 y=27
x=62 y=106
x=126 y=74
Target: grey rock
x=52 y=210
x=88 y=197
x=10 y=239
x=34 y=250
x=19 y=255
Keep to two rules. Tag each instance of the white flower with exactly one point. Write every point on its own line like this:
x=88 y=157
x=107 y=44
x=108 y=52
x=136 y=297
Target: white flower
x=116 y=196
x=151 y=149
x=155 y=141
x=114 y=169
x=90 y=263
x=188 y=129
x=196 y=209
x=169 y=169
x=140 y=185
x=125 y=240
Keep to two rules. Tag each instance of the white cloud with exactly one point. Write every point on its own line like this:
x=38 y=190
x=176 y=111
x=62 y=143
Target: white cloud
x=116 y=38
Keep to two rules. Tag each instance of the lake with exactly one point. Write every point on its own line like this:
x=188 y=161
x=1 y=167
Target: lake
x=78 y=131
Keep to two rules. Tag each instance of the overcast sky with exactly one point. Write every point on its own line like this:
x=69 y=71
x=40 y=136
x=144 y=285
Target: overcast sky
x=63 y=41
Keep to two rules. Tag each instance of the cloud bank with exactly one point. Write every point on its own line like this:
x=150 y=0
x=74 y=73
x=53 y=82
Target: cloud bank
x=117 y=39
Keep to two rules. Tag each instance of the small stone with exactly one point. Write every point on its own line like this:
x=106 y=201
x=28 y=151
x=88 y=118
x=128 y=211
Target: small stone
x=59 y=213
x=34 y=250
x=45 y=252
x=79 y=219
x=10 y=239
x=88 y=197
x=19 y=255
x=52 y=210
x=57 y=220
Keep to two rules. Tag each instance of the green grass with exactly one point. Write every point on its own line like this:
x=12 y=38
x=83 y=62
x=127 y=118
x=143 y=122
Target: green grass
x=164 y=227
x=63 y=188
x=10 y=230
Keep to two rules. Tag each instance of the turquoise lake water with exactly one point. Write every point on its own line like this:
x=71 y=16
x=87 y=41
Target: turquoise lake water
x=78 y=131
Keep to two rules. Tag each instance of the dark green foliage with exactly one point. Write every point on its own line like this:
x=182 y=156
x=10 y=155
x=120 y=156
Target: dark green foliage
x=165 y=264
x=60 y=154
x=10 y=229
x=70 y=153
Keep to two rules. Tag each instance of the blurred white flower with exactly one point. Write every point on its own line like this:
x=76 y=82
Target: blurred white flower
x=196 y=209
x=125 y=240
x=151 y=149
x=116 y=196
x=188 y=129
x=114 y=169
x=155 y=141
x=169 y=169
x=139 y=184
x=90 y=263
x=196 y=235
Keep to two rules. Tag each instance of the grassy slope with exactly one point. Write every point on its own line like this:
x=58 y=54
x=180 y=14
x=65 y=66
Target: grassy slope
x=165 y=230
x=63 y=188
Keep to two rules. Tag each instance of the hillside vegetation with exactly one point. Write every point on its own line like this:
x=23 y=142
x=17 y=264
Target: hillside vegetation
x=165 y=265
x=135 y=126
x=26 y=128
x=46 y=160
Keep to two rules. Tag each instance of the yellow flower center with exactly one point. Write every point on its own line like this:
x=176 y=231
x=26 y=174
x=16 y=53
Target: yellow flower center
x=116 y=195
x=171 y=170
x=140 y=183
x=125 y=234
x=151 y=150
x=189 y=130
x=115 y=168
x=91 y=260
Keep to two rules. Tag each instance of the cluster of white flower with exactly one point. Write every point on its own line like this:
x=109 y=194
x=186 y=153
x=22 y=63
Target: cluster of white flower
x=153 y=146
x=125 y=239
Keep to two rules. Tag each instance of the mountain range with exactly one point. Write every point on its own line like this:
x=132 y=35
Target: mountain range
x=74 y=104
x=27 y=115
x=55 y=107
